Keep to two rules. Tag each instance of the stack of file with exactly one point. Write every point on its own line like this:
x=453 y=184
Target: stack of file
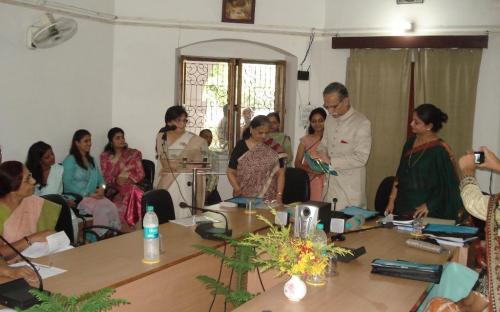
x=450 y=235
x=410 y=270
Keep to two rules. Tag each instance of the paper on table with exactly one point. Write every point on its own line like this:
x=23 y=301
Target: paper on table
x=56 y=242
x=45 y=271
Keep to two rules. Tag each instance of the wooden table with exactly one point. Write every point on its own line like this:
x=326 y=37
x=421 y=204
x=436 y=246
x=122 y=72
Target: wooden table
x=167 y=286
x=355 y=288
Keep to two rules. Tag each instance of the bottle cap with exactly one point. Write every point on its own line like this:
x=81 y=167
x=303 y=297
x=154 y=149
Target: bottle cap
x=320 y=226
x=150 y=208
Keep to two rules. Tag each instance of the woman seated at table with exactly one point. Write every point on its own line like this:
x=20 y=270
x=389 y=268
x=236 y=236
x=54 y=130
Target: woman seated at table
x=175 y=145
x=122 y=169
x=24 y=218
x=308 y=144
x=257 y=169
x=280 y=137
x=47 y=174
x=426 y=181
x=82 y=177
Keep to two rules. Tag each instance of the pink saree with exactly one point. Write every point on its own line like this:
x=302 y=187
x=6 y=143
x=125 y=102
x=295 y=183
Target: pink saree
x=127 y=197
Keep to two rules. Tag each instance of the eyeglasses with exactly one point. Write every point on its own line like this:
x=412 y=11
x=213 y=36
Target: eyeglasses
x=28 y=178
x=181 y=120
x=333 y=106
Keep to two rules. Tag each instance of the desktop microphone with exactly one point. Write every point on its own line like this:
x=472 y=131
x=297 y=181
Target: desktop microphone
x=207 y=230
x=337 y=222
x=16 y=292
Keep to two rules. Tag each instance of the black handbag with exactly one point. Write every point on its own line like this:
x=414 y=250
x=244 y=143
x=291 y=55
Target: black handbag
x=410 y=270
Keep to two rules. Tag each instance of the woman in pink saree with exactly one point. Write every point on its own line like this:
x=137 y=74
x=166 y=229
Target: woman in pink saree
x=309 y=143
x=122 y=169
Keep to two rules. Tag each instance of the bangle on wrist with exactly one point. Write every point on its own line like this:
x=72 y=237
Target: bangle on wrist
x=27 y=240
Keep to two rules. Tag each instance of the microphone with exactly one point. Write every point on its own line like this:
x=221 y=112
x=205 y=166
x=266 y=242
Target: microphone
x=337 y=222
x=16 y=293
x=207 y=230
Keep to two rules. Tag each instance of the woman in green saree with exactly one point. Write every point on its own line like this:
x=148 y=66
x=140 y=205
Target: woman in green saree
x=426 y=182
x=280 y=137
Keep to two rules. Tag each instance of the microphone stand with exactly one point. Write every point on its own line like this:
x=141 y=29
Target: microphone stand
x=207 y=230
x=15 y=294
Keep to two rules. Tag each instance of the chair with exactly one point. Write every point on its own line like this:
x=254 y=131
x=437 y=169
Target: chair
x=65 y=220
x=93 y=231
x=383 y=193
x=297 y=188
x=162 y=202
x=149 y=172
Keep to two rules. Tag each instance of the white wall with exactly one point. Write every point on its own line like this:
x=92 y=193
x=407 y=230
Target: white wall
x=432 y=14
x=487 y=115
x=47 y=94
x=293 y=13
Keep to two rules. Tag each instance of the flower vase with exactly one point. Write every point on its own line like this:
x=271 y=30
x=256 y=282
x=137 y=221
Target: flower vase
x=295 y=289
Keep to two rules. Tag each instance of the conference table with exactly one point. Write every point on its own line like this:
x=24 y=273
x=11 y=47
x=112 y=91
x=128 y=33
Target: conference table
x=355 y=288
x=171 y=284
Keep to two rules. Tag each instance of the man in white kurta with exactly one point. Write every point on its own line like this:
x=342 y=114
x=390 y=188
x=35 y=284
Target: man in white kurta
x=347 y=142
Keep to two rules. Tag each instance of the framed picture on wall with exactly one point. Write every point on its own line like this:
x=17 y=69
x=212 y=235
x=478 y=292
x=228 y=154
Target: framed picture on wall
x=238 y=11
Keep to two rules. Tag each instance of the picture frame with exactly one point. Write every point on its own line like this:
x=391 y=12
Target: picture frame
x=238 y=11
x=409 y=1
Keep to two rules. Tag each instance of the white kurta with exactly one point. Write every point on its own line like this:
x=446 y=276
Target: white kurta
x=347 y=141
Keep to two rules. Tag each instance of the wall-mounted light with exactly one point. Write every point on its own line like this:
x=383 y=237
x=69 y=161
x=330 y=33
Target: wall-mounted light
x=403 y=26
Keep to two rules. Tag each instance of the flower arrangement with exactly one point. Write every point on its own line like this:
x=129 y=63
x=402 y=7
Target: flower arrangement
x=289 y=255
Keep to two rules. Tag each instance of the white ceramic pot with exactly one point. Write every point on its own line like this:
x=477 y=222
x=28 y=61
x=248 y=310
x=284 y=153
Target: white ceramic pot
x=295 y=289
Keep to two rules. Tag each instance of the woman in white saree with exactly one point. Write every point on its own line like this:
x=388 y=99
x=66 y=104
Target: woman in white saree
x=174 y=147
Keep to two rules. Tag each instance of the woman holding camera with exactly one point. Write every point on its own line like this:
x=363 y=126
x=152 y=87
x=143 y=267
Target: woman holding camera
x=426 y=181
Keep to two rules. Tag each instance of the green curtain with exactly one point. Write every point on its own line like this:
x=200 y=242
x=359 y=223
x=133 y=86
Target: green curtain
x=378 y=81
x=448 y=79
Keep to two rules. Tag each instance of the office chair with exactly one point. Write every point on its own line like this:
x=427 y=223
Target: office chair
x=297 y=188
x=162 y=202
x=64 y=222
x=149 y=173
x=383 y=193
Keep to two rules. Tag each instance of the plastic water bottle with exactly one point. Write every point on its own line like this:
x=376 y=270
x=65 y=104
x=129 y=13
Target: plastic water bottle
x=151 y=237
x=319 y=241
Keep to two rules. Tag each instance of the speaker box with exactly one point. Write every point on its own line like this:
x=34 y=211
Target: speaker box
x=308 y=214
x=302 y=75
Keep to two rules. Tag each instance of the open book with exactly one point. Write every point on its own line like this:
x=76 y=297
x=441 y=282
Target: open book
x=56 y=242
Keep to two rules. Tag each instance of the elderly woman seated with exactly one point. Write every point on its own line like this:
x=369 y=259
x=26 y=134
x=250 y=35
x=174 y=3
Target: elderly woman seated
x=24 y=218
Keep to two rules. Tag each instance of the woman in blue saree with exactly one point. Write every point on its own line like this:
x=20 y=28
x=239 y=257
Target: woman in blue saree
x=426 y=181
x=81 y=176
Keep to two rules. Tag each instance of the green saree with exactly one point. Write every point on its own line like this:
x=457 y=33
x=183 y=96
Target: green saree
x=427 y=174
x=285 y=142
